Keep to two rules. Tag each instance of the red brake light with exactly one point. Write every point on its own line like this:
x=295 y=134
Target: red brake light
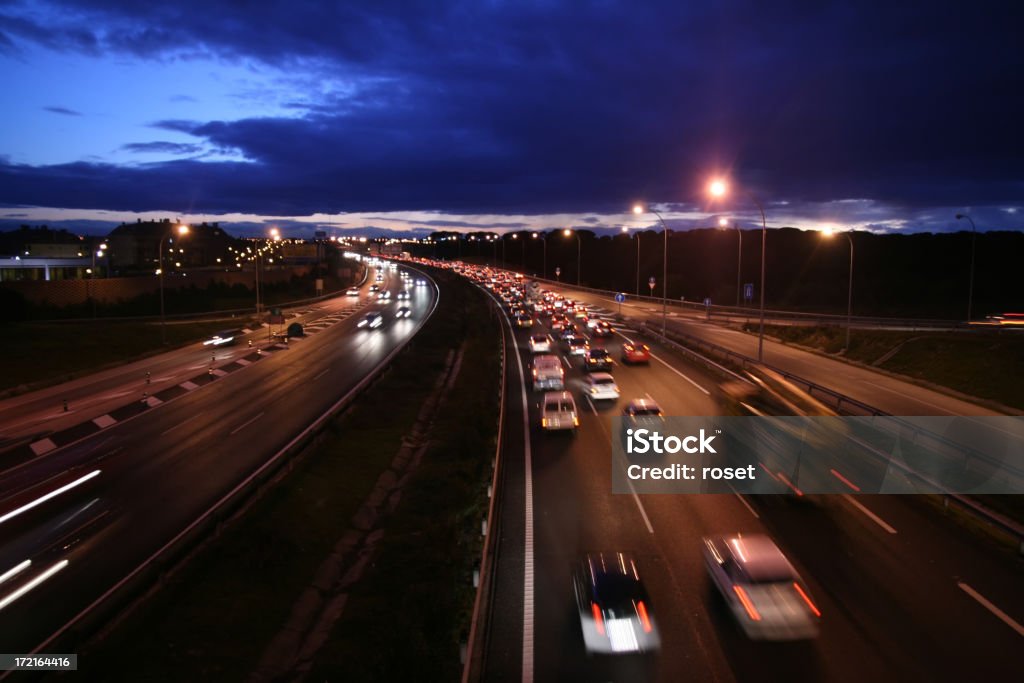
x=641 y=609
x=747 y=604
x=807 y=599
x=598 y=618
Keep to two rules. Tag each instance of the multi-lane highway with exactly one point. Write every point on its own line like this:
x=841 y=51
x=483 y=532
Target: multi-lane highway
x=904 y=593
x=161 y=469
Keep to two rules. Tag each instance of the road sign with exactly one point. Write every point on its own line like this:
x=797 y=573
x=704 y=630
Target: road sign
x=620 y=297
x=650 y=282
x=707 y=302
x=748 y=291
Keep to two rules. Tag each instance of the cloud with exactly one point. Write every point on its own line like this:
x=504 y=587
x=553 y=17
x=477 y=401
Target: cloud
x=62 y=110
x=160 y=147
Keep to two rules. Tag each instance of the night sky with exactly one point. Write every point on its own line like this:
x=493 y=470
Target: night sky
x=415 y=116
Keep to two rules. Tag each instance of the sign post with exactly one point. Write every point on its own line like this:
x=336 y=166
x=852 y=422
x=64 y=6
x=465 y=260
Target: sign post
x=748 y=292
x=558 y=274
x=619 y=298
x=650 y=283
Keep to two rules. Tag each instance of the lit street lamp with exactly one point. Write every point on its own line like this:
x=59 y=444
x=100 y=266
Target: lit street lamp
x=970 y=287
x=723 y=223
x=544 y=242
x=181 y=230
x=638 y=209
x=579 y=253
x=829 y=232
x=718 y=188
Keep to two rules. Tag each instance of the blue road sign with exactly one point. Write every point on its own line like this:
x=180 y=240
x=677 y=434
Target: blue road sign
x=748 y=291
x=620 y=297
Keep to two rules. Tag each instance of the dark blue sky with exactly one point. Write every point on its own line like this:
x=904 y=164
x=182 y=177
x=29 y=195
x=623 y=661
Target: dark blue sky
x=402 y=114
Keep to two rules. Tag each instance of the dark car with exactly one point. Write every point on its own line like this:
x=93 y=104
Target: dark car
x=614 y=609
x=597 y=359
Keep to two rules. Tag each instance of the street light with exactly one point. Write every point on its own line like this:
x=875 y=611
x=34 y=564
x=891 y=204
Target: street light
x=579 y=253
x=724 y=223
x=718 y=189
x=829 y=232
x=970 y=287
x=544 y=242
x=639 y=209
x=181 y=230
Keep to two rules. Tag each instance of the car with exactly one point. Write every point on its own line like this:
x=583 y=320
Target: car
x=379 y=277
x=597 y=359
x=635 y=353
x=763 y=590
x=403 y=295
x=352 y=291
x=524 y=320
x=224 y=338
x=548 y=372
x=600 y=386
x=403 y=312
x=540 y=343
x=601 y=329
x=641 y=413
x=420 y=282
x=372 y=320
x=615 y=611
x=558 y=411
x=577 y=346
x=374 y=288
x=568 y=330
x=384 y=296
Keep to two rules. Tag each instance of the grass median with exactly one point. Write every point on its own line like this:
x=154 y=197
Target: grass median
x=987 y=365
x=216 y=616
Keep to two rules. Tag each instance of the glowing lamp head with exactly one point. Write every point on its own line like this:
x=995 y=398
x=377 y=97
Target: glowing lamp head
x=567 y=232
x=182 y=229
x=723 y=222
x=638 y=209
x=718 y=188
x=828 y=231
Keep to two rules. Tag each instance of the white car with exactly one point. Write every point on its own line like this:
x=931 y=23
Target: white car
x=403 y=295
x=403 y=312
x=372 y=320
x=421 y=283
x=601 y=385
x=540 y=343
x=558 y=411
x=761 y=587
x=353 y=291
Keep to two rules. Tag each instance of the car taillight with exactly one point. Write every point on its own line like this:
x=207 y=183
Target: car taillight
x=575 y=421
x=543 y=422
x=645 y=621
x=747 y=604
x=598 y=618
x=807 y=599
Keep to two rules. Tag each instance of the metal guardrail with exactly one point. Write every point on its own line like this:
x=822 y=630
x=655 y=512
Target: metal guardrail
x=151 y=571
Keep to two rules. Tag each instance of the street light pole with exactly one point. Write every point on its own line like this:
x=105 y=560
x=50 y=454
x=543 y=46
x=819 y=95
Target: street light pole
x=182 y=230
x=970 y=287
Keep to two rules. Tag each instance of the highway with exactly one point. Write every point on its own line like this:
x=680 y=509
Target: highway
x=904 y=594
x=162 y=468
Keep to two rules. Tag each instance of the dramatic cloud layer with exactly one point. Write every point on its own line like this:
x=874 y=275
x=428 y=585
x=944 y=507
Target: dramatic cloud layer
x=905 y=112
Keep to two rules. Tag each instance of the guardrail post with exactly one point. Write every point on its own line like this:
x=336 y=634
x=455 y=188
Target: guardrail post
x=147 y=378
x=65 y=405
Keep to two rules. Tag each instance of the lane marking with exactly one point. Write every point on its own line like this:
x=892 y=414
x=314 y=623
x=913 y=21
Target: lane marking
x=745 y=503
x=52 y=494
x=188 y=386
x=636 y=498
x=245 y=424
x=984 y=602
x=321 y=374
x=15 y=570
x=846 y=481
x=104 y=421
x=871 y=515
x=706 y=392
x=185 y=421
x=42 y=446
x=592 y=408
x=567 y=365
x=906 y=396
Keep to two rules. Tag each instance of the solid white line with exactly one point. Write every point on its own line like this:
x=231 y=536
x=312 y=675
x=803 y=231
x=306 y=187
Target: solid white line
x=245 y=424
x=592 y=408
x=745 y=503
x=706 y=392
x=871 y=515
x=48 y=496
x=33 y=583
x=1003 y=616
x=321 y=374
x=15 y=570
x=907 y=396
x=643 y=513
x=185 y=421
x=565 y=361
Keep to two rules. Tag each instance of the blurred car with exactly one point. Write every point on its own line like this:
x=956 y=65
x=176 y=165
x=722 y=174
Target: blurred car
x=403 y=295
x=224 y=338
x=601 y=329
x=761 y=587
x=641 y=413
x=597 y=359
x=372 y=320
x=374 y=288
x=558 y=411
x=568 y=330
x=558 y=323
x=577 y=346
x=600 y=386
x=384 y=296
x=540 y=343
x=614 y=609
x=352 y=291
x=635 y=353
x=421 y=282
x=403 y=312
x=524 y=320
x=547 y=372
x=379 y=277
